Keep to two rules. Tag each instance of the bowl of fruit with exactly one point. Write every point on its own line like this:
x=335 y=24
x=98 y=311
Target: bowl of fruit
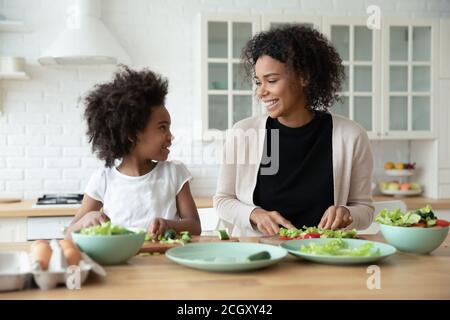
x=399 y=169
x=396 y=188
x=418 y=231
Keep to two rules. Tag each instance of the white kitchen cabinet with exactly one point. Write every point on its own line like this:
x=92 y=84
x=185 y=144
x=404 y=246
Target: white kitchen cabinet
x=47 y=227
x=360 y=51
x=391 y=87
x=274 y=21
x=444 y=120
x=391 y=74
x=409 y=60
x=13 y=229
x=444 y=48
x=227 y=95
x=21 y=229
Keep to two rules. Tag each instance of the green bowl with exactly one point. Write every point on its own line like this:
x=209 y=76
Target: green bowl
x=413 y=239
x=109 y=250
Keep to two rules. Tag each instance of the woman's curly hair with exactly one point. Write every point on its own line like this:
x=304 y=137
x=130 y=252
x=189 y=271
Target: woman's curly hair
x=116 y=111
x=307 y=53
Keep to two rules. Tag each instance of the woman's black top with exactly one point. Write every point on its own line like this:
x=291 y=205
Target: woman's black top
x=302 y=188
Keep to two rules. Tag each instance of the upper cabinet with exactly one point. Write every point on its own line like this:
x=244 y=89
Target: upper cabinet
x=359 y=48
x=274 y=21
x=444 y=48
x=227 y=94
x=391 y=73
x=410 y=59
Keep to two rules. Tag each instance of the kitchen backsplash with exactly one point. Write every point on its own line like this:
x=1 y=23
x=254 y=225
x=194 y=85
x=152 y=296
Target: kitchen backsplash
x=42 y=143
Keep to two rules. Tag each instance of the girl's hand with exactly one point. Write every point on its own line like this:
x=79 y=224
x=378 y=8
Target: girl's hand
x=158 y=227
x=268 y=221
x=335 y=217
x=93 y=218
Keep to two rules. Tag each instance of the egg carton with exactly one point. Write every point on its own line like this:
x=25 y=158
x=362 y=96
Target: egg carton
x=18 y=269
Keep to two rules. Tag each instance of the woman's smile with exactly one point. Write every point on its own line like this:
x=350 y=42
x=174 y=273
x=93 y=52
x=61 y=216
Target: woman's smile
x=271 y=105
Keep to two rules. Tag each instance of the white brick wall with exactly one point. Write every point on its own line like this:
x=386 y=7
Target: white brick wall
x=42 y=142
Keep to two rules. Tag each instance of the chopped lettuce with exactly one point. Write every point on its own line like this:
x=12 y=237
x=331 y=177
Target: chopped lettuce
x=107 y=229
x=182 y=238
x=324 y=233
x=397 y=218
x=338 y=247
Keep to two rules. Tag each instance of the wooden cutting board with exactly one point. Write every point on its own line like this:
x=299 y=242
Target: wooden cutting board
x=151 y=247
x=271 y=240
x=9 y=200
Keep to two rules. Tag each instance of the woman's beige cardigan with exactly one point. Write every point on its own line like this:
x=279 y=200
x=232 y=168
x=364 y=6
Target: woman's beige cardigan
x=352 y=173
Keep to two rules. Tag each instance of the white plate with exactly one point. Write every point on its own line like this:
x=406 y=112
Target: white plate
x=400 y=172
x=401 y=192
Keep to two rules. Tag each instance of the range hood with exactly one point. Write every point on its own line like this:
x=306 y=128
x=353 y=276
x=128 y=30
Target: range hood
x=85 y=40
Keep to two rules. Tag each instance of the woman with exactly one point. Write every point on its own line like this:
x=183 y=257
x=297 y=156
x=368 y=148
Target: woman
x=320 y=166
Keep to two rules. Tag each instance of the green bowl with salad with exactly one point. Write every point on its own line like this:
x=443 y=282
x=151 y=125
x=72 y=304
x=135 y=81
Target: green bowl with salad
x=109 y=244
x=417 y=231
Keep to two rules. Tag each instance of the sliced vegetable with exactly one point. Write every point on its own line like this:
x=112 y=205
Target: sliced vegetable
x=223 y=235
x=263 y=255
x=185 y=236
x=419 y=225
x=442 y=223
x=311 y=235
x=170 y=234
x=314 y=232
x=172 y=237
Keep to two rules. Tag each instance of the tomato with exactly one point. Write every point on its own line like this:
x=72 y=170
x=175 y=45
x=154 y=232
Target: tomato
x=442 y=223
x=289 y=238
x=419 y=225
x=311 y=235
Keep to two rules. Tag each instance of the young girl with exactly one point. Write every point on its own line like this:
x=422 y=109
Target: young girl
x=127 y=120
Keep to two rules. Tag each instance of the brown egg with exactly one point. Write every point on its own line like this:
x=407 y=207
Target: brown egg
x=73 y=256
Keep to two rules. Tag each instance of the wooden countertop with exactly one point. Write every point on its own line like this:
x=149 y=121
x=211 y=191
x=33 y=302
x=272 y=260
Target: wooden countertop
x=418 y=202
x=25 y=209
x=403 y=276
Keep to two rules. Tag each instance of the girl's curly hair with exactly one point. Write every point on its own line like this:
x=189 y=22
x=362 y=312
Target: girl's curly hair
x=307 y=53
x=116 y=111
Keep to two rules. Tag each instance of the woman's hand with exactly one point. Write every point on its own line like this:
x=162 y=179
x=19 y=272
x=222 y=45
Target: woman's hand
x=335 y=217
x=158 y=227
x=93 y=218
x=268 y=221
